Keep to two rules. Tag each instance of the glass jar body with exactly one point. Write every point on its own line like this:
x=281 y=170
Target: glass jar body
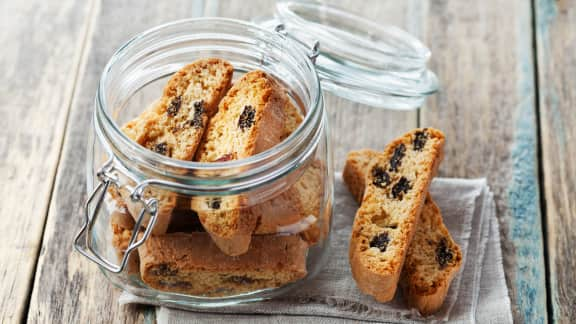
x=281 y=198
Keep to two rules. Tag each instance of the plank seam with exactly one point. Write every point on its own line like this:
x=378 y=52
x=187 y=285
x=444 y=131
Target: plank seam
x=80 y=60
x=539 y=155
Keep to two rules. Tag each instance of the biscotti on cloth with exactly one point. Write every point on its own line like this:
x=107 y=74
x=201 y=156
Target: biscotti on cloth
x=396 y=187
x=478 y=294
x=433 y=258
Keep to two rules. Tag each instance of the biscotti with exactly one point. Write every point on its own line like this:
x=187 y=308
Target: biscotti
x=396 y=187
x=433 y=257
x=193 y=264
x=250 y=120
x=174 y=126
x=432 y=261
x=122 y=226
x=293 y=119
x=355 y=171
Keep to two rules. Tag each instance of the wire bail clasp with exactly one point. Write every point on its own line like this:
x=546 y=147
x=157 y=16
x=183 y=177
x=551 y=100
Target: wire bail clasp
x=108 y=177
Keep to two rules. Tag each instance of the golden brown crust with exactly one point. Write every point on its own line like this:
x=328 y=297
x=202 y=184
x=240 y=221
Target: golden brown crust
x=294 y=118
x=174 y=125
x=397 y=185
x=432 y=261
x=193 y=264
x=250 y=120
x=354 y=173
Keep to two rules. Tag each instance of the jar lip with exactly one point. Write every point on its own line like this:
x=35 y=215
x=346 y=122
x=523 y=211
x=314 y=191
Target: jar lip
x=166 y=163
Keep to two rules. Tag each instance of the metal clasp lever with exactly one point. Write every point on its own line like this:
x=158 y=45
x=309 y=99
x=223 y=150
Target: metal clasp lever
x=107 y=178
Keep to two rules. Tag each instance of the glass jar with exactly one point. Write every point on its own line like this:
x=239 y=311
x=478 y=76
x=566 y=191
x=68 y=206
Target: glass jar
x=161 y=195
x=146 y=215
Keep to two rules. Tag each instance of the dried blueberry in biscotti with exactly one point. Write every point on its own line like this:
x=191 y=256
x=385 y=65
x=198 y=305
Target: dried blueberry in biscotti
x=395 y=207
x=250 y=120
x=175 y=124
x=431 y=263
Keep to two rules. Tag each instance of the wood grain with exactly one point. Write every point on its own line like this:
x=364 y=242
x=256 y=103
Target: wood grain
x=36 y=85
x=483 y=53
x=68 y=288
x=556 y=39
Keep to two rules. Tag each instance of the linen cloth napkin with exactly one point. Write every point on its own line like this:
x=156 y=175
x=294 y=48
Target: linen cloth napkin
x=478 y=293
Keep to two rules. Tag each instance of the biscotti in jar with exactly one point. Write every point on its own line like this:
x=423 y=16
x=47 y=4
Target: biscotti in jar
x=212 y=170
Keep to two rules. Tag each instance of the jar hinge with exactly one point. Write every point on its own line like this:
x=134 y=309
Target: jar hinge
x=314 y=51
x=108 y=177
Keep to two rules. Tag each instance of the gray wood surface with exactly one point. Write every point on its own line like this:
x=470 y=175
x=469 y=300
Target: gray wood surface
x=556 y=36
x=483 y=52
x=484 y=58
x=37 y=79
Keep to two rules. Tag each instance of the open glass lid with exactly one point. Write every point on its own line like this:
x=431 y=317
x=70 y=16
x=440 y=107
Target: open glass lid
x=369 y=63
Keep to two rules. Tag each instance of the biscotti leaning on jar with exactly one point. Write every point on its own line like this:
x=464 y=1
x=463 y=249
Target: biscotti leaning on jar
x=399 y=228
x=223 y=245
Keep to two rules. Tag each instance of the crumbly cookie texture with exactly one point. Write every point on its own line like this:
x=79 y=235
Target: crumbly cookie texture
x=433 y=257
x=294 y=118
x=432 y=261
x=122 y=225
x=250 y=120
x=174 y=125
x=356 y=170
x=396 y=187
x=193 y=264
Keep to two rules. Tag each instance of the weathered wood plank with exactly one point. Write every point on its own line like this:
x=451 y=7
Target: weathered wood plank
x=483 y=54
x=556 y=45
x=68 y=288
x=38 y=72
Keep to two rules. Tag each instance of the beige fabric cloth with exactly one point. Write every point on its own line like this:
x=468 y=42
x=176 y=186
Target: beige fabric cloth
x=477 y=294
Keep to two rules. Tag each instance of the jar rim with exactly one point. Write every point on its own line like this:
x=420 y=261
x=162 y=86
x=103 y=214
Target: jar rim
x=162 y=163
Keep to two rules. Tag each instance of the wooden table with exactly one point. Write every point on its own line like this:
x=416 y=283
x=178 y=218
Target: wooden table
x=507 y=105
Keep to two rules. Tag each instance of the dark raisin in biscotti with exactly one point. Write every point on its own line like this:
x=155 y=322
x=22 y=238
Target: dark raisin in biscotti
x=396 y=187
x=433 y=257
x=191 y=263
x=175 y=124
x=250 y=120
